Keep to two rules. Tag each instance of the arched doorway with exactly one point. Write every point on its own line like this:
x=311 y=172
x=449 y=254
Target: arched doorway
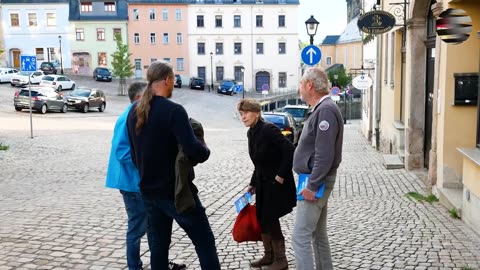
x=262 y=78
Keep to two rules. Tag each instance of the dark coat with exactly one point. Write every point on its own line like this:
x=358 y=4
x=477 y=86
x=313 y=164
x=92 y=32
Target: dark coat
x=271 y=154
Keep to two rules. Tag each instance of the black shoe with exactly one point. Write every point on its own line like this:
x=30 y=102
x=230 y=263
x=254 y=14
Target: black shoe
x=176 y=266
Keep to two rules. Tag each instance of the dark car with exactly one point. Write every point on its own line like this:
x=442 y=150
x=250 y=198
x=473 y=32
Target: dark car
x=85 y=98
x=178 y=81
x=43 y=99
x=227 y=87
x=102 y=74
x=285 y=122
x=299 y=113
x=197 y=83
x=48 y=68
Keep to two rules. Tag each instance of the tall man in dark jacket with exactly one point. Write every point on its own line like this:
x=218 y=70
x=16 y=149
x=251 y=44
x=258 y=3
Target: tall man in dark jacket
x=156 y=126
x=319 y=154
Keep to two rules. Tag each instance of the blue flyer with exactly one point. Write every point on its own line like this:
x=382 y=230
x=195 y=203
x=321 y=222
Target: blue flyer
x=241 y=202
x=302 y=183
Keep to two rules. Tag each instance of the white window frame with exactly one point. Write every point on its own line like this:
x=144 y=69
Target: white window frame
x=179 y=38
x=328 y=61
x=18 y=19
x=52 y=21
x=165 y=38
x=79 y=34
x=110 y=6
x=100 y=34
x=136 y=14
x=86 y=7
x=153 y=38
x=180 y=64
x=165 y=14
x=178 y=14
x=136 y=38
x=152 y=15
x=35 y=21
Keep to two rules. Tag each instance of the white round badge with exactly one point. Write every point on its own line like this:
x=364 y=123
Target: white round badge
x=324 y=125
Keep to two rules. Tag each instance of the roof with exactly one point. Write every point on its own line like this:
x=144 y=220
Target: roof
x=351 y=33
x=223 y=2
x=330 y=40
x=121 y=13
x=34 y=1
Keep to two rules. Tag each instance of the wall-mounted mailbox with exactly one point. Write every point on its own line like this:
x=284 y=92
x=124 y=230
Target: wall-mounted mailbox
x=466 y=88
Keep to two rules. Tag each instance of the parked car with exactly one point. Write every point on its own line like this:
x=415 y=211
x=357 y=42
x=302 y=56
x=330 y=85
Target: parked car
x=48 y=68
x=86 y=98
x=43 y=99
x=197 y=83
x=6 y=74
x=178 y=81
x=227 y=87
x=285 y=122
x=299 y=113
x=22 y=78
x=58 y=82
x=102 y=74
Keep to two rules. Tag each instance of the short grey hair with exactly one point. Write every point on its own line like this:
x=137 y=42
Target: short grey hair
x=318 y=78
x=136 y=89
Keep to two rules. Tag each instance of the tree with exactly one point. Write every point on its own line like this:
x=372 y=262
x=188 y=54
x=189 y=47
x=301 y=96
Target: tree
x=343 y=79
x=122 y=67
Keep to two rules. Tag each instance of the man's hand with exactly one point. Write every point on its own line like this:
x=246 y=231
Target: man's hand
x=250 y=189
x=308 y=195
x=279 y=179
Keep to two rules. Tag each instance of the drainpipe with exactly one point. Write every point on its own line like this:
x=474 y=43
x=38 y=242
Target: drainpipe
x=377 y=101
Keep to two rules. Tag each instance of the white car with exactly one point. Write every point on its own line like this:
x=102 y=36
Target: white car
x=58 y=82
x=6 y=74
x=21 y=78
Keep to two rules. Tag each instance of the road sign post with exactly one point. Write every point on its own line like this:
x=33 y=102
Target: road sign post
x=311 y=55
x=29 y=63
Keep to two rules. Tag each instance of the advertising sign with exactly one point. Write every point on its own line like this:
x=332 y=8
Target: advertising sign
x=454 y=26
x=376 y=22
x=362 y=82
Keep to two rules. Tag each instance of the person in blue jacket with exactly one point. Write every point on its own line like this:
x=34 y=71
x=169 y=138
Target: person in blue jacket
x=123 y=175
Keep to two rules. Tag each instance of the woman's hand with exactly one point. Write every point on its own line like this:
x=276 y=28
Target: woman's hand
x=250 y=189
x=279 y=179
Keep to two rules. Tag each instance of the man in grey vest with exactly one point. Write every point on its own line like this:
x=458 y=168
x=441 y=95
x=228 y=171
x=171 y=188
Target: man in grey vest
x=319 y=153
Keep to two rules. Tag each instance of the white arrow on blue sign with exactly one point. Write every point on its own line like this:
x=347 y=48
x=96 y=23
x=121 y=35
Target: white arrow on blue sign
x=28 y=63
x=311 y=55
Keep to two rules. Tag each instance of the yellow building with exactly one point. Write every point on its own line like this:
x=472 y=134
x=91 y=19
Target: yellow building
x=428 y=92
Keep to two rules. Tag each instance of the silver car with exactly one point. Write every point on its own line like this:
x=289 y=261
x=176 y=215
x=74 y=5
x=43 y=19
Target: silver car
x=43 y=99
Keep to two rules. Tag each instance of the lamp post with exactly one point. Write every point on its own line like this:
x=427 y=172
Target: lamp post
x=312 y=26
x=243 y=82
x=61 y=59
x=211 y=71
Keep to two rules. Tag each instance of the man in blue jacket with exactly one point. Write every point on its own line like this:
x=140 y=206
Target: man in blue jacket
x=123 y=175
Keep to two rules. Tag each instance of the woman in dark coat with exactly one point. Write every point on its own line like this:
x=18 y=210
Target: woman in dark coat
x=272 y=181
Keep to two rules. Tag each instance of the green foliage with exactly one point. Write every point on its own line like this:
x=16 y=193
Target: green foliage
x=343 y=79
x=466 y=268
x=302 y=44
x=122 y=67
x=368 y=38
x=454 y=213
x=4 y=147
x=422 y=198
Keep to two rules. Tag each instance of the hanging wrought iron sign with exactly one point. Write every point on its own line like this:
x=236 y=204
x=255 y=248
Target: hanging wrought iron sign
x=376 y=22
x=454 y=26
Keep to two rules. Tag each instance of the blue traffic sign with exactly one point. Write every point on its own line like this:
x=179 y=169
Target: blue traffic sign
x=28 y=63
x=335 y=90
x=311 y=55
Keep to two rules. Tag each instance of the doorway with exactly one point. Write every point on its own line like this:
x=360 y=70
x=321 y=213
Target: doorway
x=16 y=58
x=429 y=81
x=262 y=81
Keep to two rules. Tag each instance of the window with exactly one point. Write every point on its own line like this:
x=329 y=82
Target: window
x=136 y=38
x=218 y=48
x=85 y=7
x=178 y=14
x=218 y=21
x=102 y=59
x=80 y=34
x=282 y=79
x=237 y=21
x=237 y=71
x=179 y=38
x=259 y=48
x=109 y=6
x=153 y=38
x=259 y=20
x=14 y=19
x=237 y=48
x=32 y=19
x=329 y=61
x=282 y=48
x=101 y=34
x=138 y=64
x=117 y=32
x=153 y=60
x=39 y=54
x=51 y=19
x=136 y=14
x=180 y=64
x=219 y=73
x=201 y=71
x=165 y=14
x=200 y=48
x=281 y=20
x=152 y=14
x=166 y=59
x=165 y=38
x=200 y=22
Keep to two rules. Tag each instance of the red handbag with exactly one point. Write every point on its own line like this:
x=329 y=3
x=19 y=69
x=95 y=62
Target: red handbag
x=246 y=227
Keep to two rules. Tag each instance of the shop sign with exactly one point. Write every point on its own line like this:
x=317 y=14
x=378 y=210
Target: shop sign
x=376 y=22
x=454 y=26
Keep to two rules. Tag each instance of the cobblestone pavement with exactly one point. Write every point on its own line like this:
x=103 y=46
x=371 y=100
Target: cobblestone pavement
x=56 y=213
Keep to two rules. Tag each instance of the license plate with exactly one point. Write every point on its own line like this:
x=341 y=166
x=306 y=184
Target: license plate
x=104 y=78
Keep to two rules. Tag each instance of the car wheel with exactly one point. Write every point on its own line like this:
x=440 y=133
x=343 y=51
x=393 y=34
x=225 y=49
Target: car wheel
x=231 y=93
x=43 y=109
x=59 y=88
x=73 y=87
x=64 y=108
x=18 y=109
x=102 y=107
x=86 y=108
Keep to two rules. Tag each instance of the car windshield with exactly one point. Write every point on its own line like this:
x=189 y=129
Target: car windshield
x=80 y=92
x=46 y=65
x=199 y=80
x=277 y=120
x=24 y=73
x=48 y=78
x=228 y=84
x=296 y=112
x=103 y=71
x=25 y=93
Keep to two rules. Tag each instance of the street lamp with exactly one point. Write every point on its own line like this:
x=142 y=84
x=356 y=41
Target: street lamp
x=61 y=59
x=211 y=71
x=243 y=81
x=312 y=26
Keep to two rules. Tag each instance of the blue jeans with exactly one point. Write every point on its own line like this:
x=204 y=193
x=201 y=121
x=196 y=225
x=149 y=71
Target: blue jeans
x=161 y=213
x=137 y=227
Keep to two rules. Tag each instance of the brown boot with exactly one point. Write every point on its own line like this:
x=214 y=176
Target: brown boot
x=267 y=259
x=280 y=260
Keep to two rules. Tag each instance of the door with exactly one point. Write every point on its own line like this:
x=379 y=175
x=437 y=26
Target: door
x=16 y=58
x=429 y=104
x=138 y=68
x=262 y=81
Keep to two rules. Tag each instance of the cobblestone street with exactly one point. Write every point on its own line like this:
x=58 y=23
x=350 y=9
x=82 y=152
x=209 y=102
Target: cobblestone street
x=57 y=214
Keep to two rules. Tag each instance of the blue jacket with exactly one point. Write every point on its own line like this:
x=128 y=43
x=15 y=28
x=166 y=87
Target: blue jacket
x=122 y=173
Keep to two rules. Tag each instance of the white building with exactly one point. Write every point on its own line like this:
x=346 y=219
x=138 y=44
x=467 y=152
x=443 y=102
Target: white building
x=260 y=36
x=36 y=28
